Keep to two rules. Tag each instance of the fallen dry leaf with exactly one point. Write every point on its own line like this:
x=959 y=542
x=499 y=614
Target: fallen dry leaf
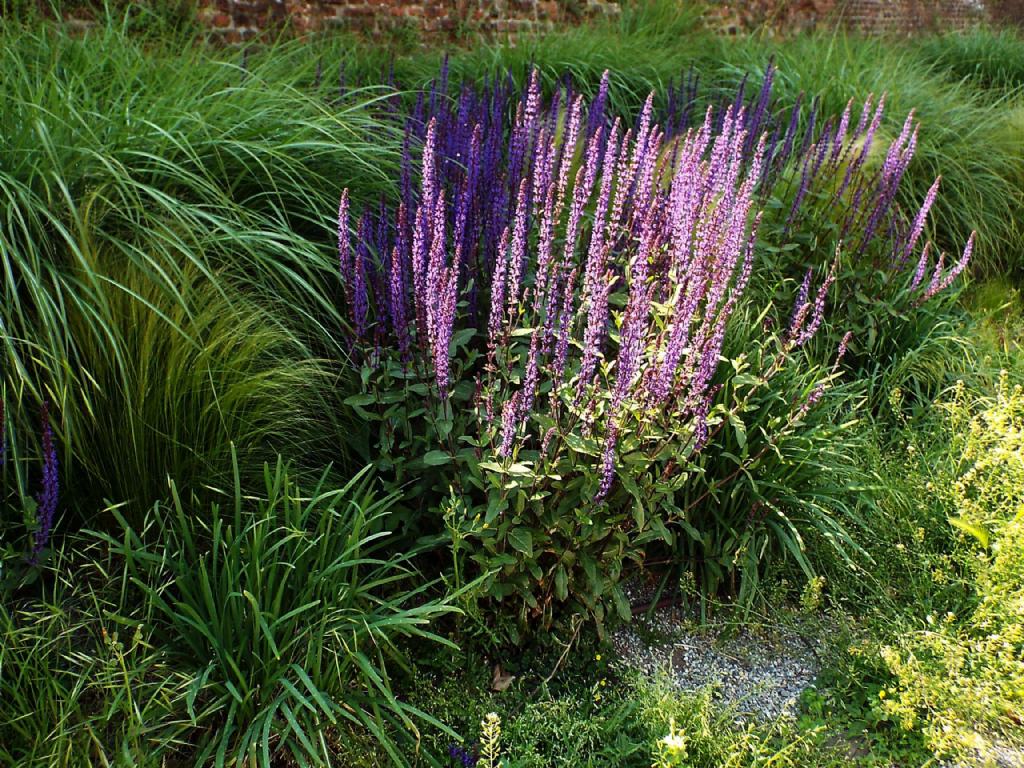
x=501 y=679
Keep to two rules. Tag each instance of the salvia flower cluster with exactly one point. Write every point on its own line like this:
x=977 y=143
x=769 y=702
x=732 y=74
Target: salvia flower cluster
x=599 y=262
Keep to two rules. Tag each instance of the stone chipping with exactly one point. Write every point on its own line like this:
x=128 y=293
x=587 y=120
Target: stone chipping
x=758 y=675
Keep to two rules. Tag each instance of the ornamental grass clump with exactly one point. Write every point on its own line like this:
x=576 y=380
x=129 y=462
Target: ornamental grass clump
x=541 y=323
x=165 y=285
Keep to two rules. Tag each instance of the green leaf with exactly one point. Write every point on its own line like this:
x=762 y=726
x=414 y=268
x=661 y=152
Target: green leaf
x=588 y=446
x=740 y=429
x=364 y=398
x=973 y=529
x=621 y=603
x=561 y=583
x=436 y=458
x=444 y=428
x=639 y=517
x=461 y=338
x=521 y=540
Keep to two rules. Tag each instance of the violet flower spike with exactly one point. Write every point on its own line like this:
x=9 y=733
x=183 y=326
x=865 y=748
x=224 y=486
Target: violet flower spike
x=497 y=294
x=844 y=124
x=812 y=399
x=940 y=284
x=608 y=463
x=917 y=227
x=818 y=313
x=50 y=490
x=509 y=425
x=397 y=303
x=922 y=266
x=841 y=352
x=344 y=247
x=801 y=303
x=517 y=252
x=700 y=418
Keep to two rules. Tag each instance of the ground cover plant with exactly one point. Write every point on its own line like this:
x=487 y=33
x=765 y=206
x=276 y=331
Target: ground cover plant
x=629 y=302
x=262 y=624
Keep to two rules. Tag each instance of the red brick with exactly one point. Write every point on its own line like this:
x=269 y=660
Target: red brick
x=250 y=17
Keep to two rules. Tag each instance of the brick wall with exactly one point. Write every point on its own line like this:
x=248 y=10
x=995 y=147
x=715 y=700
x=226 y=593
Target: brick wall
x=912 y=16
x=242 y=19
x=869 y=16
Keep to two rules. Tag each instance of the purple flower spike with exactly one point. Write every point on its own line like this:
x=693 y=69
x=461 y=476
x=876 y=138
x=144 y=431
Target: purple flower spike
x=344 y=247
x=509 y=425
x=843 y=345
x=801 y=305
x=596 y=115
x=812 y=399
x=49 y=492
x=922 y=266
x=917 y=227
x=517 y=253
x=494 y=321
x=818 y=313
x=592 y=242
x=940 y=283
x=608 y=463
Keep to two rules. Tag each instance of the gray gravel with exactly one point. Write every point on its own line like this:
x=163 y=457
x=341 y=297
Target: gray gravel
x=761 y=675
x=997 y=756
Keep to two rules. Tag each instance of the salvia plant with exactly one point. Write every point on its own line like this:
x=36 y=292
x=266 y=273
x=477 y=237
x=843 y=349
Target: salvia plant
x=21 y=511
x=541 y=320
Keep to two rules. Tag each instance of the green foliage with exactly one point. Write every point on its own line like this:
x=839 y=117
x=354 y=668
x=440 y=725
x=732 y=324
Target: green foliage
x=265 y=630
x=83 y=677
x=991 y=59
x=932 y=663
x=774 y=469
x=954 y=678
x=779 y=468
x=286 y=612
x=167 y=259
x=631 y=722
x=170 y=286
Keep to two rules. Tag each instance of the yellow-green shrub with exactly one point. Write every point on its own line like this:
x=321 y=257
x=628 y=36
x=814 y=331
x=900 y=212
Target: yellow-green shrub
x=962 y=681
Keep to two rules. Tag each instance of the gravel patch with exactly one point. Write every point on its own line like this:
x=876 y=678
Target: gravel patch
x=760 y=675
x=996 y=756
